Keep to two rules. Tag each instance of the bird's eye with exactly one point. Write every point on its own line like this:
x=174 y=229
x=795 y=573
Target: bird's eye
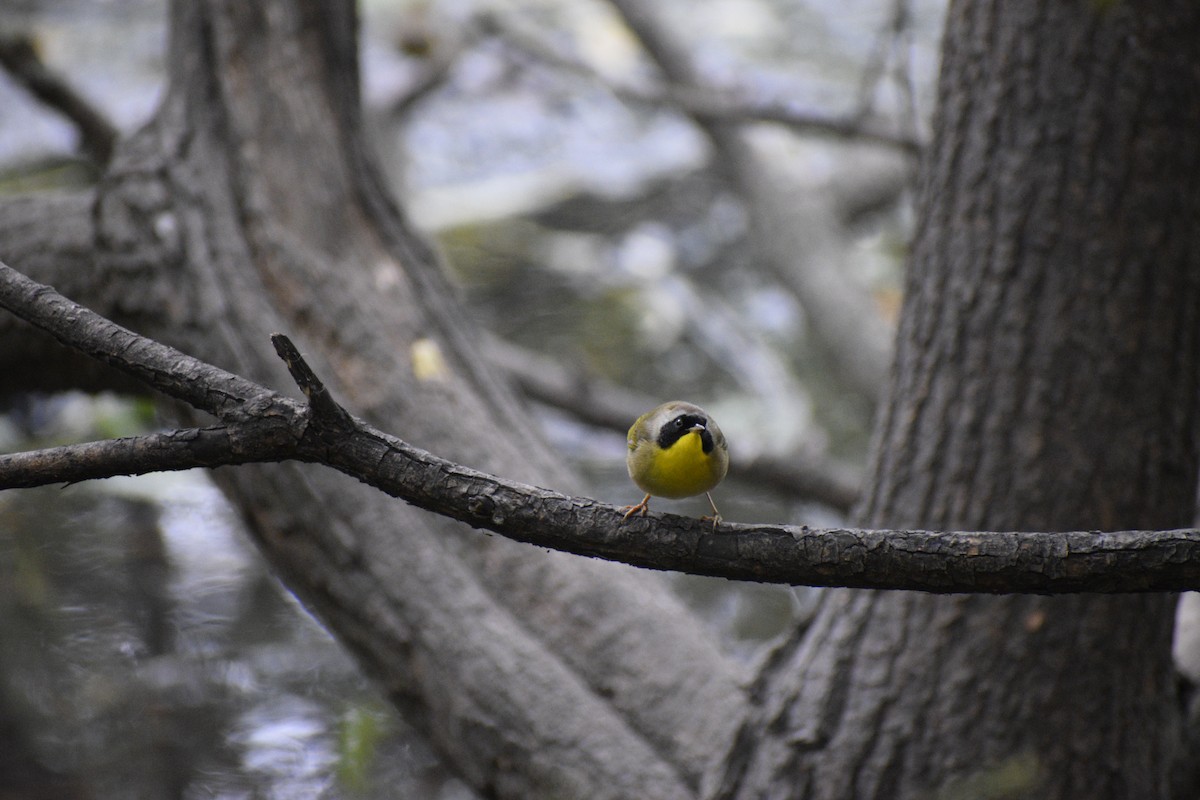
x=679 y=422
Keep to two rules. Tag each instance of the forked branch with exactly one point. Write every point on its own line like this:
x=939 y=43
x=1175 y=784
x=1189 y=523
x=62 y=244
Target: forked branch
x=257 y=424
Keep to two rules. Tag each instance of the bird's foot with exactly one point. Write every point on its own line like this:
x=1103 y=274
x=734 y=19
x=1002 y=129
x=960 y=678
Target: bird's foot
x=715 y=516
x=639 y=508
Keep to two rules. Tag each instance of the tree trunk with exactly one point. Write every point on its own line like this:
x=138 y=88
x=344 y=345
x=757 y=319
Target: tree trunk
x=1046 y=379
x=249 y=205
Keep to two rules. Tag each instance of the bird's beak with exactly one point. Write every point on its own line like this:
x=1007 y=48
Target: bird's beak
x=699 y=426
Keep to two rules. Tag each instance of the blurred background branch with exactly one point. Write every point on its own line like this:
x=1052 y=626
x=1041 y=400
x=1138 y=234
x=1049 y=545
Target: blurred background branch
x=792 y=228
x=97 y=135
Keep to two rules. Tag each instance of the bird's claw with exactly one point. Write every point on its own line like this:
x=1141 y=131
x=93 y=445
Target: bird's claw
x=637 y=508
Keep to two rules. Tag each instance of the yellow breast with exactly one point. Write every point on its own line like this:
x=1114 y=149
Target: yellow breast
x=682 y=470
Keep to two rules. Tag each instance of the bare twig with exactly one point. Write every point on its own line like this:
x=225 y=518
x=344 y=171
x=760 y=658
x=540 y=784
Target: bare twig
x=319 y=398
x=255 y=441
x=706 y=103
x=892 y=46
x=433 y=77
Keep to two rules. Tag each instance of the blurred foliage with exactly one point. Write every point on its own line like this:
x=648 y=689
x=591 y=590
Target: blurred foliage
x=49 y=175
x=1013 y=778
x=359 y=735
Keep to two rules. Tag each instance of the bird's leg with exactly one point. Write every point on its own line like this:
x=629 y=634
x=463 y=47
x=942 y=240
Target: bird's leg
x=640 y=508
x=716 y=515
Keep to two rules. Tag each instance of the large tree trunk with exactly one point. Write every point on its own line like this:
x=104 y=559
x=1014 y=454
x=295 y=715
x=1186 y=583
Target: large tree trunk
x=249 y=205
x=1046 y=379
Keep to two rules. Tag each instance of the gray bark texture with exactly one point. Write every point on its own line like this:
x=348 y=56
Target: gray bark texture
x=1046 y=378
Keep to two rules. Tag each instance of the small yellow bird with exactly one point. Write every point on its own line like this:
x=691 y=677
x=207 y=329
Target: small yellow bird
x=677 y=450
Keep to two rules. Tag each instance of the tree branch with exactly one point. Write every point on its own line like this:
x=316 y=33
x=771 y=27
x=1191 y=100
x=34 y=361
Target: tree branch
x=728 y=105
x=20 y=58
x=273 y=428
x=791 y=228
x=261 y=439
x=175 y=374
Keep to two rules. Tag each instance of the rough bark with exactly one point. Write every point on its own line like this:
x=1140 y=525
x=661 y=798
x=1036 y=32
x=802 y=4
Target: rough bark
x=1046 y=379
x=250 y=205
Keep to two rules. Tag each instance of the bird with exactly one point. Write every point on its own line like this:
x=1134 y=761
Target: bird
x=676 y=450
